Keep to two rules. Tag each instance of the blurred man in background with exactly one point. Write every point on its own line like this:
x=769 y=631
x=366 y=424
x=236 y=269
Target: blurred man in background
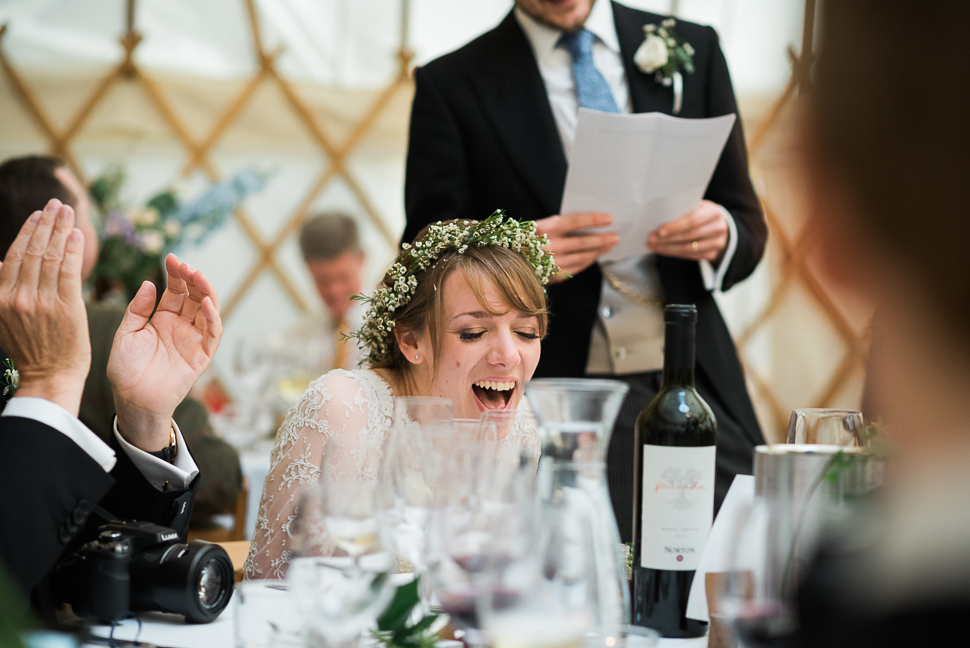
x=334 y=258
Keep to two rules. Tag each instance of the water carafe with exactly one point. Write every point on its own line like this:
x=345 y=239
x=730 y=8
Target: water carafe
x=575 y=418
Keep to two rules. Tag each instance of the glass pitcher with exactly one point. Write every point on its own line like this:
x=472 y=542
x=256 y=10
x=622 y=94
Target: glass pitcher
x=575 y=418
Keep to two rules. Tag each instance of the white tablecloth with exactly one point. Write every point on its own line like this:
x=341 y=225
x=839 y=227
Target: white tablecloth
x=170 y=631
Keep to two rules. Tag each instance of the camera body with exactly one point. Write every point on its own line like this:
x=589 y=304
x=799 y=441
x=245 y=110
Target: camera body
x=135 y=566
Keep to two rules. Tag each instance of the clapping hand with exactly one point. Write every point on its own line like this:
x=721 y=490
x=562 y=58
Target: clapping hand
x=698 y=235
x=43 y=322
x=155 y=362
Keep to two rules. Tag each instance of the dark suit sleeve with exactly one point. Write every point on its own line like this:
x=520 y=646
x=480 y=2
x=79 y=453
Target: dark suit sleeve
x=48 y=486
x=436 y=185
x=730 y=185
x=134 y=498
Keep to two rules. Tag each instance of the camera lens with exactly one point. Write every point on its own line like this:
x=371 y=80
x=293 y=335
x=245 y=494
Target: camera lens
x=210 y=585
x=193 y=579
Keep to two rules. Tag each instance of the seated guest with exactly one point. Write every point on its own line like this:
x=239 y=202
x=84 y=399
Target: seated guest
x=333 y=256
x=26 y=184
x=54 y=470
x=459 y=315
x=887 y=146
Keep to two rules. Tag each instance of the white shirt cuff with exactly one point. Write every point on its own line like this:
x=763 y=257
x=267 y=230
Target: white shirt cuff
x=714 y=278
x=52 y=414
x=160 y=473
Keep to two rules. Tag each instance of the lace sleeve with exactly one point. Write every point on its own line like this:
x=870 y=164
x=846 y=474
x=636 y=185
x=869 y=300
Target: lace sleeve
x=338 y=403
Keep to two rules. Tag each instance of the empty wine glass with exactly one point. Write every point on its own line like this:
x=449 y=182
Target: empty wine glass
x=339 y=572
x=545 y=595
x=476 y=519
x=825 y=426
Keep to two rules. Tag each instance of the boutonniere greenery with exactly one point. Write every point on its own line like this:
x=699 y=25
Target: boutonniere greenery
x=664 y=56
x=11 y=379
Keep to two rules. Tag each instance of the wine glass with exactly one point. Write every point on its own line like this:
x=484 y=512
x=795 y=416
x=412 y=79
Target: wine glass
x=339 y=572
x=825 y=426
x=476 y=519
x=544 y=595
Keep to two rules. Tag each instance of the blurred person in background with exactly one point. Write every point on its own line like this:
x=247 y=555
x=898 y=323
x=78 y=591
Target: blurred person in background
x=26 y=185
x=331 y=249
x=887 y=150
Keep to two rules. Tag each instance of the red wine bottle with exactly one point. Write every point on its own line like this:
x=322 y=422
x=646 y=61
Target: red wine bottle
x=673 y=502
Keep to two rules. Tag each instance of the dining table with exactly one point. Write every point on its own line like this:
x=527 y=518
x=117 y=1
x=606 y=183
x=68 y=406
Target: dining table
x=171 y=631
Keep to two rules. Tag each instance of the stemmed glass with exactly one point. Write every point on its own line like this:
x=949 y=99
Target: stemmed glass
x=410 y=468
x=475 y=520
x=545 y=594
x=339 y=573
x=825 y=426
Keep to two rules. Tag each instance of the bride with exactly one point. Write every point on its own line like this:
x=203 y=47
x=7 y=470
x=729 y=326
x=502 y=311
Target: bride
x=460 y=315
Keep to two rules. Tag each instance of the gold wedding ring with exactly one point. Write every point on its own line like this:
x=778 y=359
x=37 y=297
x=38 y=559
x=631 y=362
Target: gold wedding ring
x=693 y=246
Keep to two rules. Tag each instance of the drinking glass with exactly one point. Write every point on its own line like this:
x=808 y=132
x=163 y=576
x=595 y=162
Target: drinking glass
x=476 y=519
x=825 y=426
x=543 y=596
x=410 y=467
x=339 y=572
x=264 y=616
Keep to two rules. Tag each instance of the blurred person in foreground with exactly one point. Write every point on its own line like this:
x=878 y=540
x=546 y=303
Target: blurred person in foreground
x=54 y=471
x=331 y=249
x=26 y=184
x=887 y=146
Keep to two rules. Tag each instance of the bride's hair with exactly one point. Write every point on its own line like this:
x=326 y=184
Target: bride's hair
x=508 y=272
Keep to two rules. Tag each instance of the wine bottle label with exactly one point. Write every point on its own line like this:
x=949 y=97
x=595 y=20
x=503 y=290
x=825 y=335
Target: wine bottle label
x=678 y=506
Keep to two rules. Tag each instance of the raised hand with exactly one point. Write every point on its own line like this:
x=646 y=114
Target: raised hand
x=698 y=235
x=154 y=363
x=574 y=249
x=43 y=321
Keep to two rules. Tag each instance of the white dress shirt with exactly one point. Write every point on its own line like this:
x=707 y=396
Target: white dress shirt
x=627 y=336
x=157 y=471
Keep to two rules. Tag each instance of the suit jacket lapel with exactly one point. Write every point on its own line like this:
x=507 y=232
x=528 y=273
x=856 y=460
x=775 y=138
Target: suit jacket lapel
x=646 y=95
x=513 y=96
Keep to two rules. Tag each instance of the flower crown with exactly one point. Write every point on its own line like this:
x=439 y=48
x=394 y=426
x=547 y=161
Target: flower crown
x=401 y=281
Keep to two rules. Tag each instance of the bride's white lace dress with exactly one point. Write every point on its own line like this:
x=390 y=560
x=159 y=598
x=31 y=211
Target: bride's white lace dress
x=353 y=403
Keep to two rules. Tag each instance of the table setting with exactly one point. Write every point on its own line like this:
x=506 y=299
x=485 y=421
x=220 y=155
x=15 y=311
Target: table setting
x=497 y=551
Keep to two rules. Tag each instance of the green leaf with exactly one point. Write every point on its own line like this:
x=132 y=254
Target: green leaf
x=399 y=610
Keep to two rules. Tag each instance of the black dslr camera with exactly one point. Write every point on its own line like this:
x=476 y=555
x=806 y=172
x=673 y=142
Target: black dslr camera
x=142 y=566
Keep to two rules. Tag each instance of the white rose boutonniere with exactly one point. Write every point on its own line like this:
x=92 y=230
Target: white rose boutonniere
x=663 y=55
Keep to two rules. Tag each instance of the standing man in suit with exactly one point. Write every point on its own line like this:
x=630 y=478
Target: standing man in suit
x=53 y=469
x=491 y=127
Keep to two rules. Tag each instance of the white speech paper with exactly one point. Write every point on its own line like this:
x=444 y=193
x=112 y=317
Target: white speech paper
x=644 y=169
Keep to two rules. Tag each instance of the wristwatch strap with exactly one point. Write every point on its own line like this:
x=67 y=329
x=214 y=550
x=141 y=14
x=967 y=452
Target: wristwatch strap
x=168 y=454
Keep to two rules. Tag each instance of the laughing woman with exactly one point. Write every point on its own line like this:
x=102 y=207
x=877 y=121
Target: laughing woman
x=459 y=315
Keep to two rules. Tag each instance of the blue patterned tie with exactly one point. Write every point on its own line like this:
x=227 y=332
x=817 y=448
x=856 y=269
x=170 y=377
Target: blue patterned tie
x=592 y=90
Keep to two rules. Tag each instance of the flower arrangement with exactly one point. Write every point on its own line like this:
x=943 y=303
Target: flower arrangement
x=662 y=54
x=134 y=241
x=401 y=281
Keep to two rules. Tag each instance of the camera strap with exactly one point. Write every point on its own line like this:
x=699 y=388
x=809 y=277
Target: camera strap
x=103 y=514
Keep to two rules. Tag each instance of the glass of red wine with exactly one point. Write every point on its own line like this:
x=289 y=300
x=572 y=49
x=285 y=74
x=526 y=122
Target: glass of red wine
x=478 y=517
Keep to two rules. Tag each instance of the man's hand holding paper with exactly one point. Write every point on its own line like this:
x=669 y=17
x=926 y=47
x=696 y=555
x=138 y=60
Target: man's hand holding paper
x=650 y=172
x=698 y=235
x=574 y=247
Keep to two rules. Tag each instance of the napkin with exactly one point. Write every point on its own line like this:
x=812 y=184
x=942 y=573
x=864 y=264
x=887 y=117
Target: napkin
x=716 y=556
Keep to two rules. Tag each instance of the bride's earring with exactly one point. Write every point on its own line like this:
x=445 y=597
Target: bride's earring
x=415 y=356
